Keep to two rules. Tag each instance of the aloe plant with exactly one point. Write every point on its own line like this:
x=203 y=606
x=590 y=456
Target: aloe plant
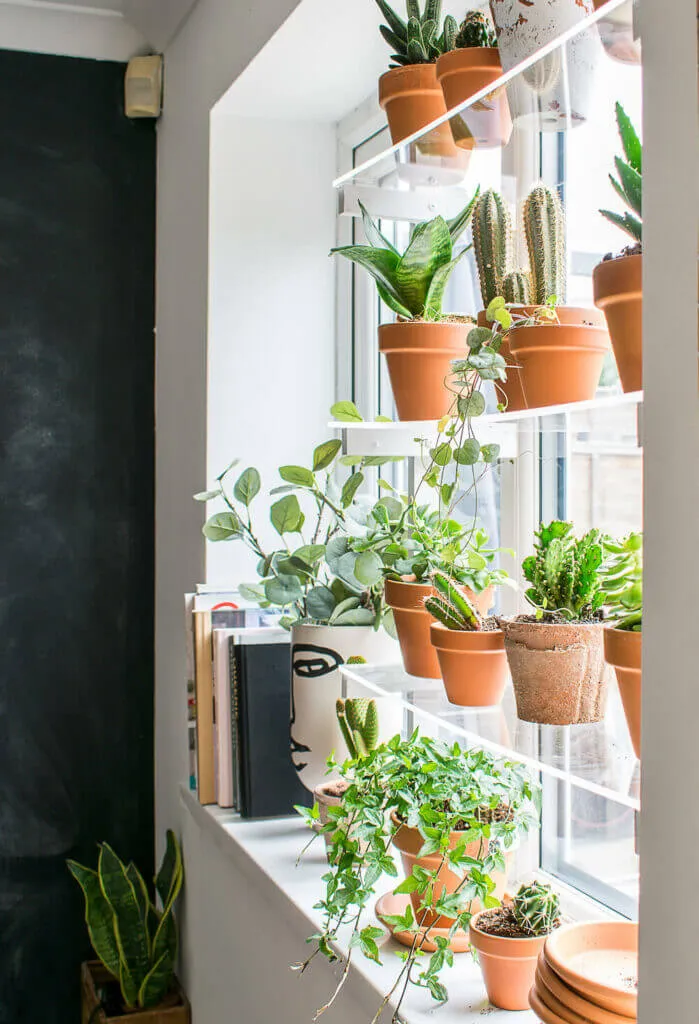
x=629 y=183
x=136 y=942
x=418 y=39
x=413 y=283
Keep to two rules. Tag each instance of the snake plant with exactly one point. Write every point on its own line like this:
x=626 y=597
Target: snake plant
x=136 y=942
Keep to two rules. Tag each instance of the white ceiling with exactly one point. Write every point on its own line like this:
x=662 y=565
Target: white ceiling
x=156 y=20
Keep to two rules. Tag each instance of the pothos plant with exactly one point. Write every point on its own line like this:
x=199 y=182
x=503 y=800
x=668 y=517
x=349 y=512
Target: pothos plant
x=424 y=784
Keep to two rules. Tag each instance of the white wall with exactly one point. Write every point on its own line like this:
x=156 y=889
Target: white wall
x=71 y=32
x=271 y=314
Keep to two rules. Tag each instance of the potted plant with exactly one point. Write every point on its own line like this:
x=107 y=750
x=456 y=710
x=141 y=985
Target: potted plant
x=136 y=942
x=556 y=656
x=557 y=92
x=470 y=63
x=510 y=938
x=470 y=649
x=618 y=280
x=409 y=91
x=323 y=577
x=622 y=581
x=452 y=815
x=421 y=344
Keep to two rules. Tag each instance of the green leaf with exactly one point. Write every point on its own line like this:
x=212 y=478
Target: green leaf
x=310 y=553
x=490 y=452
x=320 y=603
x=346 y=412
x=156 y=983
x=373 y=235
x=457 y=225
x=441 y=454
x=411 y=884
x=131 y=940
x=471 y=405
x=633 y=150
x=627 y=223
x=468 y=453
x=632 y=183
x=247 y=486
x=324 y=454
x=353 y=617
x=222 y=526
x=207 y=495
x=98 y=916
x=283 y=590
x=286 y=515
x=430 y=248
x=382 y=264
x=297 y=475
x=438 y=285
x=478 y=336
x=497 y=303
x=351 y=486
x=368 y=568
x=168 y=881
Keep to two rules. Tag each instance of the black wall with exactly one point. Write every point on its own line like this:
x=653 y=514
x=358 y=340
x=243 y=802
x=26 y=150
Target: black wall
x=77 y=215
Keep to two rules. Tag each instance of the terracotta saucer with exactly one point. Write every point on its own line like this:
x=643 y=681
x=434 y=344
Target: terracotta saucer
x=563 y=1010
x=550 y=986
x=542 y=1011
x=396 y=906
x=597 y=960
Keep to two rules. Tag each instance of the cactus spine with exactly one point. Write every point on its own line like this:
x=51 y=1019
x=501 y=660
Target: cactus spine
x=451 y=606
x=517 y=288
x=544 y=226
x=536 y=909
x=491 y=242
x=359 y=722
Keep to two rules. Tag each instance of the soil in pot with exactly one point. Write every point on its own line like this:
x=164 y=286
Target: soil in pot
x=419 y=354
x=461 y=74
x=622 y=650
x=618 y=291
x=507 y=956
x=473 y=664
x=100 y=988
x=558 y=670
x=412 y=99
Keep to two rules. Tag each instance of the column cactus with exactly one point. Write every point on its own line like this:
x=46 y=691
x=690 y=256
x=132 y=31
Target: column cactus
x=451 y=606
x=517 y=287
x=492 y=240
x=358 y=718
x=544 y=227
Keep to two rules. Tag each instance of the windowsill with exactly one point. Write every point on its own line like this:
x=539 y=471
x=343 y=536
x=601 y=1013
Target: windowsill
x=266 y=853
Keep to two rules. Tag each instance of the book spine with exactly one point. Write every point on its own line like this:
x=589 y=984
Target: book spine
x=191 y=691
x=222 y=700
x=234 y=701
x=203 y=663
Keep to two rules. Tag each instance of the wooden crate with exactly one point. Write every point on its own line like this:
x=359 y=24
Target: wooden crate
x=94 y=974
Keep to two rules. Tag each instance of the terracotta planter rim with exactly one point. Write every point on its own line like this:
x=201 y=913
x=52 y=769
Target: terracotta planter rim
x=453 y=61
x=424 y=336
x=422 y=78
x=613 y=280
x=577 y=623
x=506 y=940
x=477 y=639
x=592 y=337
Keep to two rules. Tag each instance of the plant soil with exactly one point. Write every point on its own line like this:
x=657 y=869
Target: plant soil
x=630 y=250
x=447 y=318
x=337 y=789
x=501 y=923
x=487 y=814
x=491 y=624
x=556 y=619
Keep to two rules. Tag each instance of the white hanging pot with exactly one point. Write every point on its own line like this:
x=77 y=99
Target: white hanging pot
x=558 y=91
x=317 y=652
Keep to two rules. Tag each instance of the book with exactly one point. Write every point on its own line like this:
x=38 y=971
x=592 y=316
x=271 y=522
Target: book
x=204 y=696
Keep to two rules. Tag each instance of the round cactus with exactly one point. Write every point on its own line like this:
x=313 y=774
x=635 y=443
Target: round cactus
x=536 y=909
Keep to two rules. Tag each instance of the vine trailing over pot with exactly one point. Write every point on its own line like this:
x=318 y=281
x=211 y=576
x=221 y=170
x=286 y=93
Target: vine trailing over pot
x=460 y=811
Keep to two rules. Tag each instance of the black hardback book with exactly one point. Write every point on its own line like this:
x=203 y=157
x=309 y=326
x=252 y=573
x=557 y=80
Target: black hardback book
x=268 y=784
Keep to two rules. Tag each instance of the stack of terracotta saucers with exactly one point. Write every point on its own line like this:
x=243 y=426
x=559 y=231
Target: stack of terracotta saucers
x=587 y=974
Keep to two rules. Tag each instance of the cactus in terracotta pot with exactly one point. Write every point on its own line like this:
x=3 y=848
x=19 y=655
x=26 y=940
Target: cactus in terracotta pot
x=451 y=606
x=475 y=30
x=491 y=243
x=536 y=908
x=544 y=227
x=358 y=718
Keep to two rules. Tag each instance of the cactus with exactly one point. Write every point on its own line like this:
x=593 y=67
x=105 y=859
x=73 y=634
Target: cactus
x=517 y=288
x=356 y=659
x=536 y=909
x=451 y=606
x=475 y=30
x=544 y=226
x=135 y=942
x=565 y=572
x=359 y=721
x=417 y=40
x=629 y=184
x=491 y=242
x=622 y=581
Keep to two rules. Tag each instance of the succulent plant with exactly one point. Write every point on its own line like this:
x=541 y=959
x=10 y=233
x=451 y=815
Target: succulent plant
x=622 y=581
x=451 y=605
x=492 y=238
x=536 y=909
x=475 y=30
x=412 y=284
x=517 y=287
x=544 y=228
x=629 y=184
x=564 y=572
x=359 y=721
x=135 y=942
x=417 y=40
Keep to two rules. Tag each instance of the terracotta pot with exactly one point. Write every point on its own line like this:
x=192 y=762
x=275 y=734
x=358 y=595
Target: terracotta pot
x=622 y=650
x=561 y=362
x=508 y=965
x=618 y=291
x=325 y=798
x=419 y=356
x=175 y=1009
x=596 y=959
x=511 y=388
x=473 y=665
x=409 y=842
x=558 y=671
x=556 y=993
x=461 y=74
x=412 y=99
x=617 y=34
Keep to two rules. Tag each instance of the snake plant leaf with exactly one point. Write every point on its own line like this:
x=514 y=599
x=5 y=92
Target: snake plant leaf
x=632 y=183
x=397 y=307
x=438 y=286
x=156 y=983
x=144 y=904
x=169 y=877
x=430 y=248
x=457 y=225
x=382 y=264
x=98 y=916
x=395 y=22
x=633 y=149
x=373 y=234
x=130 y=937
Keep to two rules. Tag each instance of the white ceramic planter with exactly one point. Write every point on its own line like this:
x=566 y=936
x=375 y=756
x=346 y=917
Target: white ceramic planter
x=558 y=91
x=316 y=655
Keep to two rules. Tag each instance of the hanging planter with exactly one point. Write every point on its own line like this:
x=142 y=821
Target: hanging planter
x=558 y=91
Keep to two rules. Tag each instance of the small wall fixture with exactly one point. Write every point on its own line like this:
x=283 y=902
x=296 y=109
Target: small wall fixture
x=143 y=86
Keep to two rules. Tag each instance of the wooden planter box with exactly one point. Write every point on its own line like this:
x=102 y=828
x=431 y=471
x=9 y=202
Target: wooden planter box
x=94 y=975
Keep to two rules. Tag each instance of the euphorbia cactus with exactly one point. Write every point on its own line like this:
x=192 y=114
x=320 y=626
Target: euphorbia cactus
x=629 y=184
x=564 y=572
x=491 y=243
x=536 y=909
x=417 y=40
x=359 y=722
x=544 y=227
x=451 y=605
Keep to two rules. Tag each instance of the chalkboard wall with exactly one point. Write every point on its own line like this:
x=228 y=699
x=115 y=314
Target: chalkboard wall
x=77 y=183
